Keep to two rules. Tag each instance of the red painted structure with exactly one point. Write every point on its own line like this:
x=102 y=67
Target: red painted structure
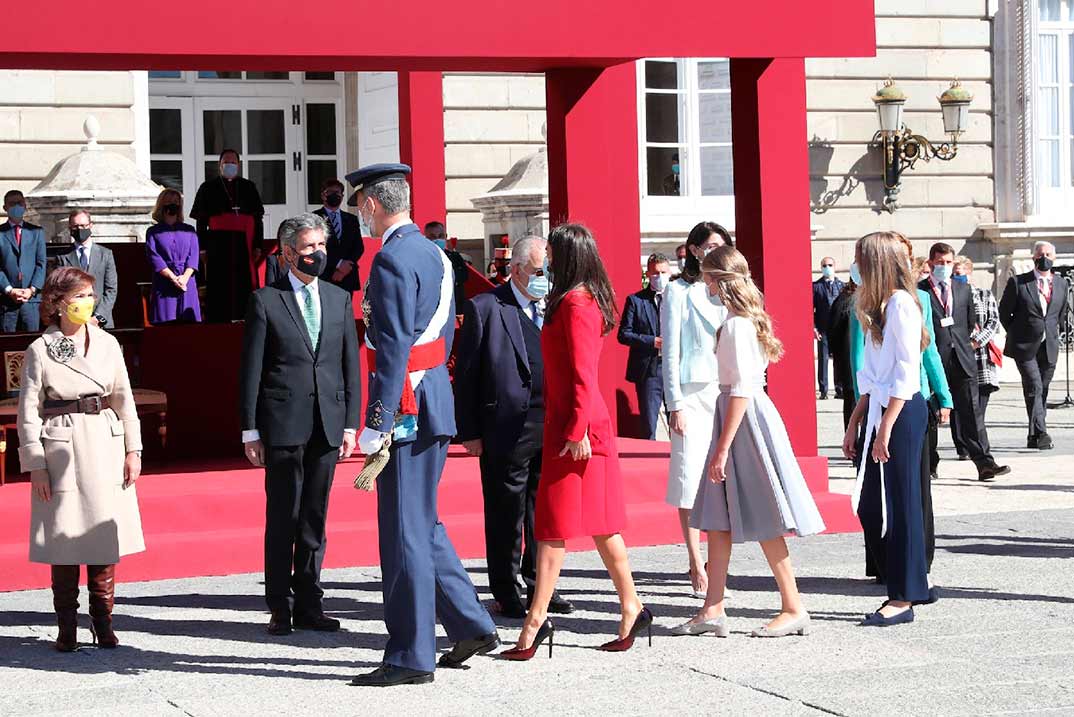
x=585 y=50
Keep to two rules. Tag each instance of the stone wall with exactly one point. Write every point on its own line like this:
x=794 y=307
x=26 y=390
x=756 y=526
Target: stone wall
x=923 y=45
x=41 y=116
x=490 y=122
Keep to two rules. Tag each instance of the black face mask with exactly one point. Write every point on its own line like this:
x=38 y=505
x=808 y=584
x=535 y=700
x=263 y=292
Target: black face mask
x=311 y=264
x=171 y=210
x=1043 y=263
x=81 y=235
x=333 y=200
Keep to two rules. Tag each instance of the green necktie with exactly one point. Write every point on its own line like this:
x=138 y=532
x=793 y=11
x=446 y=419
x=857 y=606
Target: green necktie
x=309 y=315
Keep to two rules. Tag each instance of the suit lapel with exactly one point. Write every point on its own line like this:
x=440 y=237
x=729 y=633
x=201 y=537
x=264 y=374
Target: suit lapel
x=512 y=322
x=9 y=236
x=288 y=297
x=1033 y=294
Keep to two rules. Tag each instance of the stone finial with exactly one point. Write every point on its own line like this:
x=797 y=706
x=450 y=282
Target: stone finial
x=92 y=128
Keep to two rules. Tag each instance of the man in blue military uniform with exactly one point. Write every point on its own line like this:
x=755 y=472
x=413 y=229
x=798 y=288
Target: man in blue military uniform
x=410 y=322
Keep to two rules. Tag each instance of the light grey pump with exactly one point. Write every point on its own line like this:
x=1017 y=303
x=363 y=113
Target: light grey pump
x=717 y=626
x=800 y=626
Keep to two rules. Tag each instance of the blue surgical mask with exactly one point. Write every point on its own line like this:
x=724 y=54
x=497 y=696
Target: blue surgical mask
x=230 y=170
x=675 y=168
x=17 y=212
x=961 y=278
x=538 y=286
x=442 y=243
x=855 y=274
x=941 y=272
x=682 y=264
x=827 y=271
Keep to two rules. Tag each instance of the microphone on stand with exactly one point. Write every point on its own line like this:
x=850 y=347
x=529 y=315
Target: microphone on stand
x=1066 y=342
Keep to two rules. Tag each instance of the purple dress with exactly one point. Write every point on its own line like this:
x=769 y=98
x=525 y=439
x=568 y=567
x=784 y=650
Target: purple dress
x=174 y=247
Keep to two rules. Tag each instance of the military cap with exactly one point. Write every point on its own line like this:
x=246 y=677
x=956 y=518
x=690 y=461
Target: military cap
x=374 y=174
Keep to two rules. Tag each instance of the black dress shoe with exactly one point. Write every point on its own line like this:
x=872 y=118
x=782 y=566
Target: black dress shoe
x=390 y=675
x=280 y=623
x=316 y=621
x=823 y=397
x=513 y=609
x=560 y=605
x=989 y=473
x=1044 y=442
x=963 y=457
x=465 y=649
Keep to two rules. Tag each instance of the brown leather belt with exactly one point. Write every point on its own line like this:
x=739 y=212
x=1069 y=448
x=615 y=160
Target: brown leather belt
x=88 y=404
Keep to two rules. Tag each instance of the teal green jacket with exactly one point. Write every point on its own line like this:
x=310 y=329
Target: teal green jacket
x=933 y=379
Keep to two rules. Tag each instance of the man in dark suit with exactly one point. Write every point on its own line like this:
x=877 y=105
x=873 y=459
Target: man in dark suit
x=94 y=259
x=436 y=232
x=1032 y=306
x=953 y=320
x=826 y=290
x=409 y=311
x=22 y=267
x=300 y=402
x=499 y=411
x=345 y=246
x=639 y=329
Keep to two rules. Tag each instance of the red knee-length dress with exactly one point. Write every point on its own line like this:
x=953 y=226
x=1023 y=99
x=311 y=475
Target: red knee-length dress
x=576 y=498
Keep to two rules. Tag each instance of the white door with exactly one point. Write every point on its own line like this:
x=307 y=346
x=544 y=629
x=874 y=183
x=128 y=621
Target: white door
x=378 y=117
x=265 y=132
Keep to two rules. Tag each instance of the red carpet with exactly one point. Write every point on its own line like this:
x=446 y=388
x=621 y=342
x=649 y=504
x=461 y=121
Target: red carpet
x=202 y=519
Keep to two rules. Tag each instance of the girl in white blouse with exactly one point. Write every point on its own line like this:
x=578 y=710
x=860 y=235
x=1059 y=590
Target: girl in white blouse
x=754 y=490
x=888 y=489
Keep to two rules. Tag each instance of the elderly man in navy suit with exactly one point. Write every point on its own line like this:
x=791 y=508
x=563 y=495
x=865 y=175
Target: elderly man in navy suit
x=410 y=322
x=22 y=267
x=640 y=330
x=499 y=410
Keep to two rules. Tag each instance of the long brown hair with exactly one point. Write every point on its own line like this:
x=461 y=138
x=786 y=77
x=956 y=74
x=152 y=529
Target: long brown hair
x=697 y=237
x=741 y=296
x=885 y=268
x=576 y=264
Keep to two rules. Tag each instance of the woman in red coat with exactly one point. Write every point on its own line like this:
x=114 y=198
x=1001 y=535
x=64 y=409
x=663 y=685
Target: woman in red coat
x=581 y=491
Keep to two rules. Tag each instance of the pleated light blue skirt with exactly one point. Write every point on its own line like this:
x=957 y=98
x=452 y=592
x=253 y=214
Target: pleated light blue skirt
x=765 y=494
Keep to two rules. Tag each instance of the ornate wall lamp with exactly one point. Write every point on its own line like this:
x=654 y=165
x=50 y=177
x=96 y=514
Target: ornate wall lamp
x=901 y=147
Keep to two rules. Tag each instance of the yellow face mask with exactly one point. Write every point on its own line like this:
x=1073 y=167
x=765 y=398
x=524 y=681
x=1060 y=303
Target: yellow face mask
x=80 y=311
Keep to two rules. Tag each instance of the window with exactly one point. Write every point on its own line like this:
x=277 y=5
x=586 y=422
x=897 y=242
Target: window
x=1055 y=106
x=685 y=124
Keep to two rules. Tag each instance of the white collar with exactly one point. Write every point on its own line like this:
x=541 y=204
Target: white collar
x=1040 y=276
x=297 y=284
x=388 y=233
x=87 y=245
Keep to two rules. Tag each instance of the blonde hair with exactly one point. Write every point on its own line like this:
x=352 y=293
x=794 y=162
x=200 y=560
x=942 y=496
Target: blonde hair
x=162 y=199
x=884 y=268
x=740 y=295
x=965 y=262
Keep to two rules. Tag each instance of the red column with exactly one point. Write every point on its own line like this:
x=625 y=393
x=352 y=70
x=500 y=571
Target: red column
x=421 y=142
x=771 y=164
x=593 y=179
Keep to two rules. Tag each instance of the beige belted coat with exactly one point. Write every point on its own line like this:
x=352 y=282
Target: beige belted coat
x=91 y=519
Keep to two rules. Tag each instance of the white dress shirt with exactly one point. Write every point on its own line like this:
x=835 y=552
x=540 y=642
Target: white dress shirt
x=889 y=370
x=297 y=286
x=524 y=302
x=1048 y=280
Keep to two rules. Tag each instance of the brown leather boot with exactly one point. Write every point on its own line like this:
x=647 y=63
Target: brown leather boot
x=102 y=593
x=65 y=601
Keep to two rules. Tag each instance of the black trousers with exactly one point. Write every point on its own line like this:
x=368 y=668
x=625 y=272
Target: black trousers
x=298 y=480
x=509 y=486
x=822 y=364
x=650 y=392
x=967 y=412
x=1036 y=376
x=898 y=557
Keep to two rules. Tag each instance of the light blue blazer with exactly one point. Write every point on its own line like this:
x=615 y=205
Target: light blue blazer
x=688 y=324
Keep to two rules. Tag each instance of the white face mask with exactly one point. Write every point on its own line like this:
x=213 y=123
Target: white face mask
x=659 y=282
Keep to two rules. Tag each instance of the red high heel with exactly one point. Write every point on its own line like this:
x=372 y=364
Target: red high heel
x=644 y=621
x=520 y=654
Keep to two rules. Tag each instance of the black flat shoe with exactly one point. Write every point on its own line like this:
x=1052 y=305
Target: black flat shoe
x=318 y=622
x=878 y=620
x=280 y=623
x=390 y=676
x=465 y=649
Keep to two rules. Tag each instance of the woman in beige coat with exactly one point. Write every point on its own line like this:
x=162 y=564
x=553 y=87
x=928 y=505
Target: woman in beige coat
x=81 y=442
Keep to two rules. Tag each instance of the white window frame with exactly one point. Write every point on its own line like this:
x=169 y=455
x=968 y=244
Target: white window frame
x=665 y=214
x=1054 y=202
